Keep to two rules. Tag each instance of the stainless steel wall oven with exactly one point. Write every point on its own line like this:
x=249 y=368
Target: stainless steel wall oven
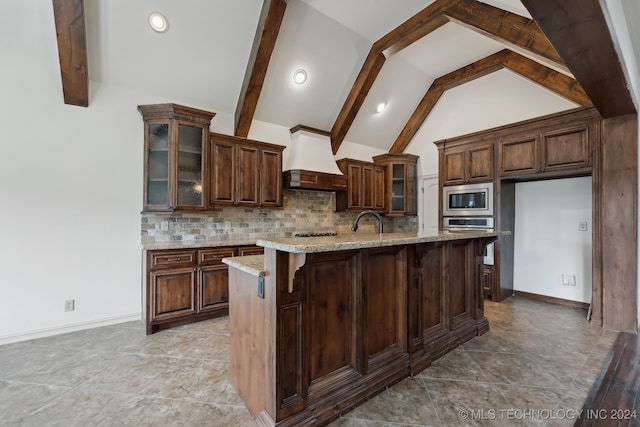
x=469 y=206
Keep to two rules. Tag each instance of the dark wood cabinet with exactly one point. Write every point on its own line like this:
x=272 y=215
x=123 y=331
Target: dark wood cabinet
x=176 y=157
x=365 y=186
x=270 y=183
x=518 y=155
x=560 y=145
x=567 y=148
x=223 y=162
x=184 y=286
x=334 y=328
x=250 y=250
x=470 y=163
x=213 y=279
x=245 y=172
x=187 y=168
x=487 y=281
x=559 y=151
x=248 y=175
x=401 y=183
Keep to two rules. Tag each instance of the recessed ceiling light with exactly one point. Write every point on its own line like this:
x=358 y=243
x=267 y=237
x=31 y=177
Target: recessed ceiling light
x=158 y=22
x=380 y=108
x=300 y=76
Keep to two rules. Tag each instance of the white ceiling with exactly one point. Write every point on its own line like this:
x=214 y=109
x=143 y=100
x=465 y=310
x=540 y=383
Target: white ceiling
x=201 y=60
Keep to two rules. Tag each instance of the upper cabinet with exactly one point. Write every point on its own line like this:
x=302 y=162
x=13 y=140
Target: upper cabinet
x=469 y=163
x=176 y=156
x=245 y=172
x=187 y=168
x=558 y=151
x=365 y=186
x=401 y=183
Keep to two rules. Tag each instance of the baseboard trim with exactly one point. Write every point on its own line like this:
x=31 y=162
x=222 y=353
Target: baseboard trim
x=553 y=300
x=41 y=333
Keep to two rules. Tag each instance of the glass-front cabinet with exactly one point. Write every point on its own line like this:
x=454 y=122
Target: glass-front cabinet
x=176 y=155
x=402 y=183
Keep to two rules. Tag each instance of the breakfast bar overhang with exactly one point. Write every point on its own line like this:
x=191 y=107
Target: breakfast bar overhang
x=319 y=325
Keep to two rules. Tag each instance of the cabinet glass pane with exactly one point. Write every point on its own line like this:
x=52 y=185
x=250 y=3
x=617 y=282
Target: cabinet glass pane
x=158 y=167
x=397 y=187
x=189 y=165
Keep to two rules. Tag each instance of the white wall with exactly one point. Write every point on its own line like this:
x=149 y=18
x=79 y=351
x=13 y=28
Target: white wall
x=547 y=241
x=494 y=100
x=70 y=188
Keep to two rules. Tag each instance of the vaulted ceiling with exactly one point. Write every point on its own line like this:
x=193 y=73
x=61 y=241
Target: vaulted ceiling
x=237 y=58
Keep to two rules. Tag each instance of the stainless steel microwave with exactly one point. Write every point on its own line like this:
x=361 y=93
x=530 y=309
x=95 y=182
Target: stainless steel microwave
x=468 y=200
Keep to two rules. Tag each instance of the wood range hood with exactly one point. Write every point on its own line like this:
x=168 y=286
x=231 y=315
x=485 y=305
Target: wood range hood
x=311 y=165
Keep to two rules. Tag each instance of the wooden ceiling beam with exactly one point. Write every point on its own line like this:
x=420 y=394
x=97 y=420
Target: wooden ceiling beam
x=561 y=84
x=455 y=78
x=578 y=30
x=519 y=33
x=264 y=42
x=553 y=80
x=421 y=24
x=508 y=28
x=72 y=50
x=367 y=76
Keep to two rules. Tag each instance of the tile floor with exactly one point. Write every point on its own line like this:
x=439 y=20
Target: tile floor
x=534 y=367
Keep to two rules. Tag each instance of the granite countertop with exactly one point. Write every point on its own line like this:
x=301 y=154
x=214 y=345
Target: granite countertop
x=195 y=244
x=360 y=241
x=252 y=264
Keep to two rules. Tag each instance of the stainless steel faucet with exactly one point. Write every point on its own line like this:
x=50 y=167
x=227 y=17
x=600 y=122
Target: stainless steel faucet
x=361 y=214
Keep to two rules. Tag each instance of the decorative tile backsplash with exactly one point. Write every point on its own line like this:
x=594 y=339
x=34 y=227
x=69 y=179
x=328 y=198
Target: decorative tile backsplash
x=302 y=211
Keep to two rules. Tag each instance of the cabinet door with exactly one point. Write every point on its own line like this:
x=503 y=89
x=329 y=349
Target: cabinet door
x=480 y=163
x=250 y=250
x=487 y=281
x=172 y=293
x=518 y=156
x=214 y=288
x=398 y=188
x=247 y=175
x=156 y=168
x=378 y=188
x=412 y=190
x=354 y=176
x=270 y=178
x=454 y=163
x=189 y=186
x=566 y=149
x=367 y=187
x=223 y=178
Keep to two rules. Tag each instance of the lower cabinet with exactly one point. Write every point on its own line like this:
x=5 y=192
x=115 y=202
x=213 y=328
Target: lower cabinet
x=487 y=281
x=184 y=286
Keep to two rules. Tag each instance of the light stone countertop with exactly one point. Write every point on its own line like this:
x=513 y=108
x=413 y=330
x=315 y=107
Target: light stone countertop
x=252 y=264
x=196 y=244
x=360 y=241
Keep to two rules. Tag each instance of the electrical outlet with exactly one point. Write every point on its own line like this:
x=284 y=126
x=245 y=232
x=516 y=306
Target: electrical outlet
x=165 y=225
x=70 y=305
x=569 y=279
x=582 y=226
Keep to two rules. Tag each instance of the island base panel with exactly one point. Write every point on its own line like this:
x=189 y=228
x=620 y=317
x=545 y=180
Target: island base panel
x=336 y=328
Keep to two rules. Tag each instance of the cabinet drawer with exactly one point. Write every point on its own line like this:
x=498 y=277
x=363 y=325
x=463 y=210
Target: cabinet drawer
x=250 y=250
x=171 y=259
x=214 y=256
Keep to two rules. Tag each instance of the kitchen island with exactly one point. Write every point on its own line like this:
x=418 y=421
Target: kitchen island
x=330 y=321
